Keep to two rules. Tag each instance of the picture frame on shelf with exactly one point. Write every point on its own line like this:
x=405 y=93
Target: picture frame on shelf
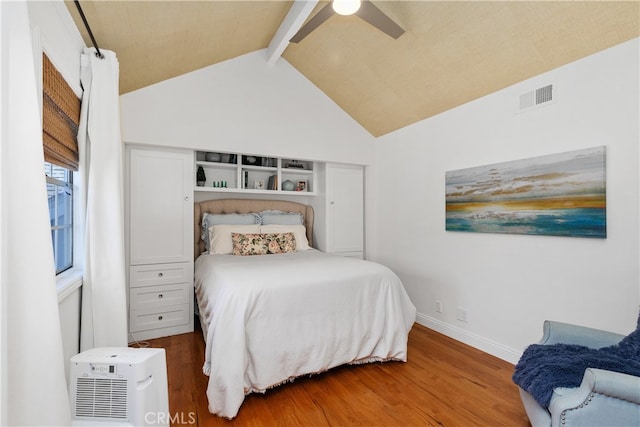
x=259 y=184
x=302 y=185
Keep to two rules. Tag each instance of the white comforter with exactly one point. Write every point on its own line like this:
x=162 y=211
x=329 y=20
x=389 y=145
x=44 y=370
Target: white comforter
x=271 y=318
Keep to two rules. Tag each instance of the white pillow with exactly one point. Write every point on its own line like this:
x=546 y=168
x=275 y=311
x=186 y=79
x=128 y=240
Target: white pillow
x=209 y=219
x=299 y=231
x=281 y=218
x=220 y=236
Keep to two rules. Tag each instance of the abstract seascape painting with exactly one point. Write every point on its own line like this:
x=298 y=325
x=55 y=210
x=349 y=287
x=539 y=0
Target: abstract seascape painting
x=558 y=195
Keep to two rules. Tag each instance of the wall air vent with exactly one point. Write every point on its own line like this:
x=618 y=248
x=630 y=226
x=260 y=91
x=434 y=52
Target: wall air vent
x=538 y=97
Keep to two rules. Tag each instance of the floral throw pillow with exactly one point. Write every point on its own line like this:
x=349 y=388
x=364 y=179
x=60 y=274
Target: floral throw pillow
x=263 y=243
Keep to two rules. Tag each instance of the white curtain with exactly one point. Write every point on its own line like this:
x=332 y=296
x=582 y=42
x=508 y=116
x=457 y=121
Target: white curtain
x=104 y=312
x=34 y=390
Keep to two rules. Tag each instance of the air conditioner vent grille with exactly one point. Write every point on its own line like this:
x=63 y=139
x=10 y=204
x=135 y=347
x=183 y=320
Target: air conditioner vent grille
x=544 y=94
x=536 y=97
x=101 y=398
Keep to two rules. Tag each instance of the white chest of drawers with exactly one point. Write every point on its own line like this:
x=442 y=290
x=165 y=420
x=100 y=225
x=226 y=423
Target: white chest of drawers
x=160 y=300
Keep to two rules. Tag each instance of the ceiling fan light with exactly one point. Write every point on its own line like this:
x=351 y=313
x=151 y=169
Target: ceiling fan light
x=346 y=7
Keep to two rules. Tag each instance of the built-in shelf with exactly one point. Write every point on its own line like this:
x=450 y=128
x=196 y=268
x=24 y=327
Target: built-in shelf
x=243 y=173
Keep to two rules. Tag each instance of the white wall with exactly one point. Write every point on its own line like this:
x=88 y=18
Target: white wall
x=509 y=283
x=245 y=105
x=58 y=37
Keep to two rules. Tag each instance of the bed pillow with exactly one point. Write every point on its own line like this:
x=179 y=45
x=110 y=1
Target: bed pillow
x=280 y=217
x=299 y=231
x=209 y=219
x=263 y=243
x=220 y=236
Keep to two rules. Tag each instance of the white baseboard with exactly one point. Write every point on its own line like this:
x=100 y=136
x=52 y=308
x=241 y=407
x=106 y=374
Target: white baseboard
x=488 y=346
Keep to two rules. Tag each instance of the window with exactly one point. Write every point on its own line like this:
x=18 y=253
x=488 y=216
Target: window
x=60 y=119
x=60 y=198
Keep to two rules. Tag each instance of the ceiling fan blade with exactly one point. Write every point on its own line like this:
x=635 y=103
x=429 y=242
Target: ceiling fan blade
x=374 y=16
x=313 y=23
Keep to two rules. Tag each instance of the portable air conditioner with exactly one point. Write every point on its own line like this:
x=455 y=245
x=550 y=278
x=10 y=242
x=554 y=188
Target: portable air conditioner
x=119 y=387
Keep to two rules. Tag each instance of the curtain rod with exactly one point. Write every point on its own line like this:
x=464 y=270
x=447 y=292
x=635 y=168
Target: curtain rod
x=86 y=25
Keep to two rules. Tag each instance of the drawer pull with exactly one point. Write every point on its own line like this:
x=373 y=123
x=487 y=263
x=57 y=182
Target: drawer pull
x=160 y=274
x=159 y=317
x=160 y=296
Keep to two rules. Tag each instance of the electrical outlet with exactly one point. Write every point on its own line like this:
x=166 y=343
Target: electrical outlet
x=461 y=314
x=438 y=306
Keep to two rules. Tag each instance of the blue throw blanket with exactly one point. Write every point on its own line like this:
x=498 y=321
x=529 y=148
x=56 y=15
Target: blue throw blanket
x=545 y=367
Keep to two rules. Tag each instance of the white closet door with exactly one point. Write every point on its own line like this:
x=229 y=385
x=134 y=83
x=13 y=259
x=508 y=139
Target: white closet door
x=161 y=206
x=345 y=210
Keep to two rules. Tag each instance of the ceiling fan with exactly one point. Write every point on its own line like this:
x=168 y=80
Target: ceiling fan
x=364 y=9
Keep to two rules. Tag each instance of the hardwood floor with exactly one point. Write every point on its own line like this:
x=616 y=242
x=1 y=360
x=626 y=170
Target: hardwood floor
x=444 y=383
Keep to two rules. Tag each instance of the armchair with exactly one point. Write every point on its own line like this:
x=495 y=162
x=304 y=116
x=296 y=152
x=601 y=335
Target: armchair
x=604 y=398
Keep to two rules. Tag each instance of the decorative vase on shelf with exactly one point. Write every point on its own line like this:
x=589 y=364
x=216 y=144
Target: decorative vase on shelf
x=201 y=178
x=288 y=185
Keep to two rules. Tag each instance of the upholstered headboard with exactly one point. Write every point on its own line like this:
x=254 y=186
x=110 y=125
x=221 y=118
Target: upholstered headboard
x=225 y=206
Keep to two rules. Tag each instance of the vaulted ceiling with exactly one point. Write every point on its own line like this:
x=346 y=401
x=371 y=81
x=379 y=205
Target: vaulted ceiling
x=451 y=53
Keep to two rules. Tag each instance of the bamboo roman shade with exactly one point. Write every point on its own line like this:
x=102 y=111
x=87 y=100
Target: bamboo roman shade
x=60 y=118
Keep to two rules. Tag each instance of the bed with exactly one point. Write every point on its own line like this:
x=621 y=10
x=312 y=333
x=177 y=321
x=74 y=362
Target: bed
x=268 y=319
